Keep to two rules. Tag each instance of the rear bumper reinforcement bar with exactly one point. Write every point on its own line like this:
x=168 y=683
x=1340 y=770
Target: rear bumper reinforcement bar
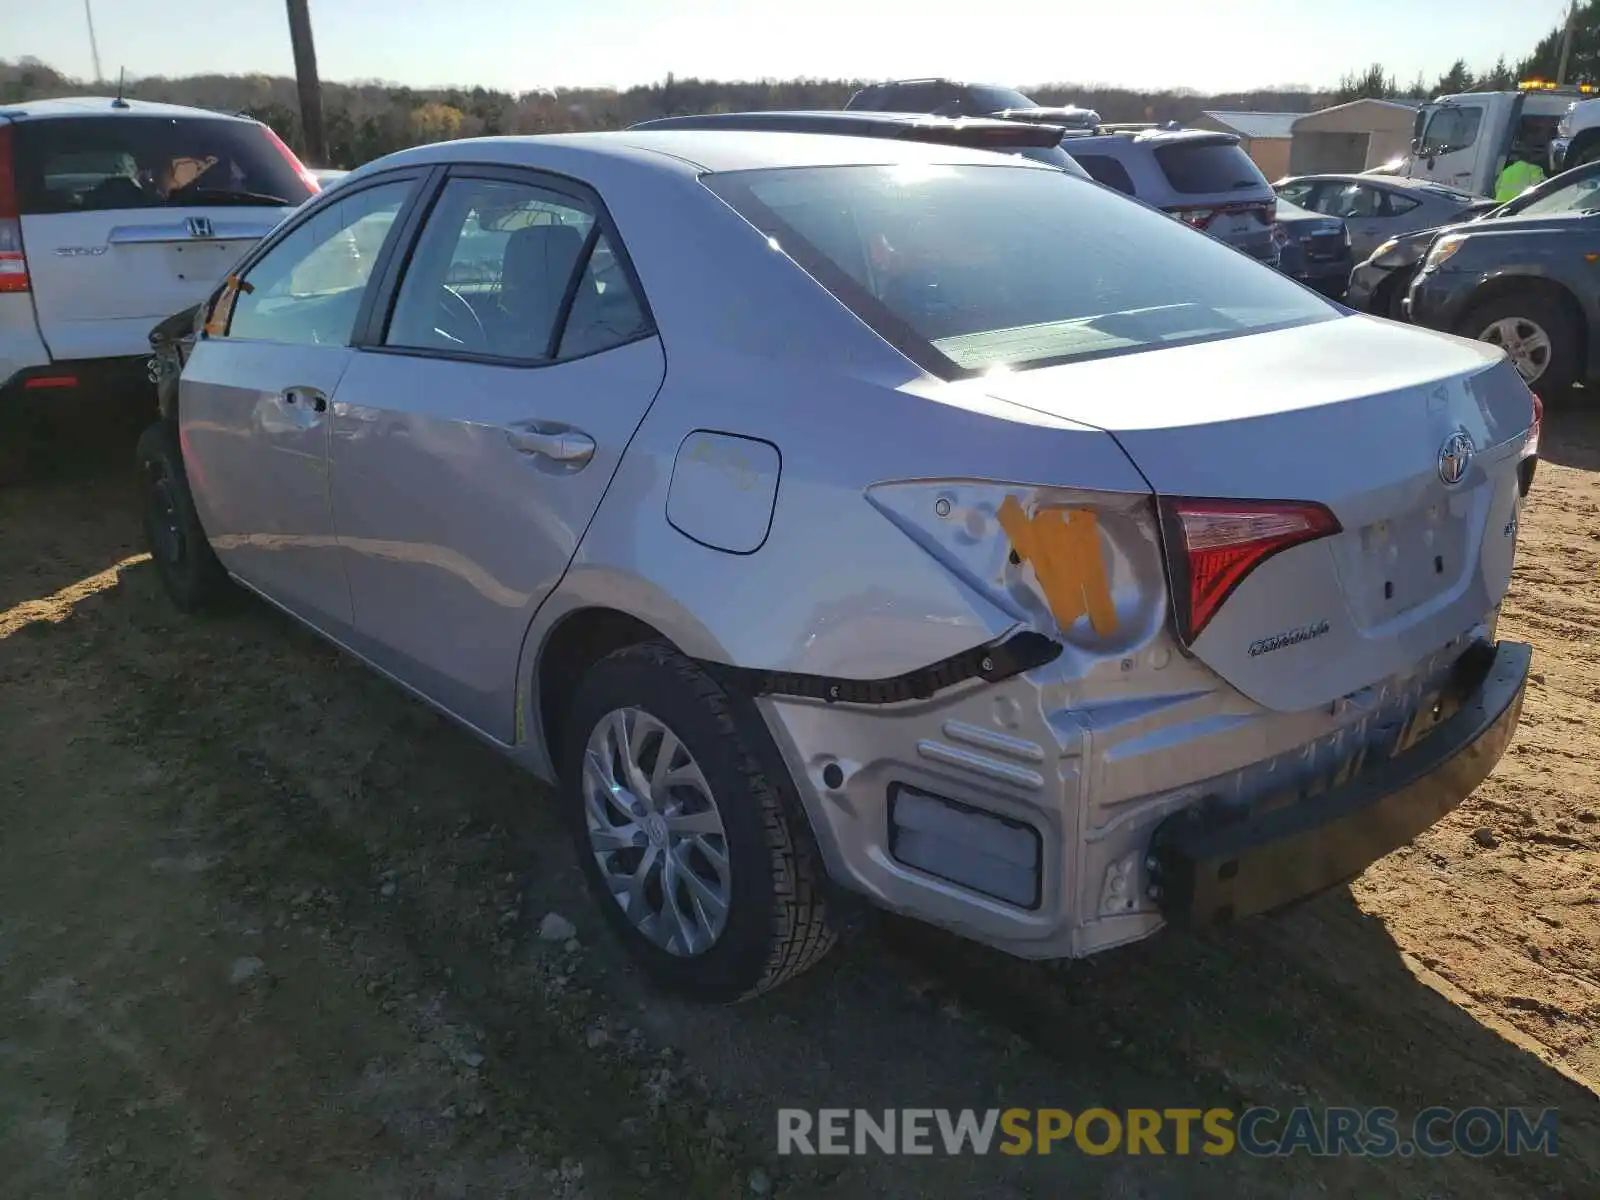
x=1211 y=866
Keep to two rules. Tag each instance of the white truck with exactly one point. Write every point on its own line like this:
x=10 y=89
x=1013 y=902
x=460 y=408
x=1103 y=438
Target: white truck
x=1464 y=140
x=1577 y=139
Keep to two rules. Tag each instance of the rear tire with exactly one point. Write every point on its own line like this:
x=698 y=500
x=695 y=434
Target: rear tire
x=701 y=862
x=189 y=571
x=1541 y=336
x=1394 y=293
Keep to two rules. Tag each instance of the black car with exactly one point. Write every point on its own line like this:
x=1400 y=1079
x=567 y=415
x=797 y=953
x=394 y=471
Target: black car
x=951 y=98
x=1313 y=248
x=1042 y=143
x=1523 y=280
x=1379 y=284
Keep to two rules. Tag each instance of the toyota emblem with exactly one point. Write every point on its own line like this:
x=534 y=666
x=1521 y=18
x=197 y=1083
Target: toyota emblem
x=1454 y=456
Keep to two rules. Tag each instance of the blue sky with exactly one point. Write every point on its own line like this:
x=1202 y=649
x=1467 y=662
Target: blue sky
x=523 y=44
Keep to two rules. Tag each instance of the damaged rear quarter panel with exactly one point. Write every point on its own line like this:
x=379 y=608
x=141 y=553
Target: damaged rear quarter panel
x=837 y=587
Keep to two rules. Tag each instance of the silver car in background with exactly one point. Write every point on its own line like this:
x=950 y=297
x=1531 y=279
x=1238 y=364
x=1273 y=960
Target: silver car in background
x=1376 y=209
x=838 y=519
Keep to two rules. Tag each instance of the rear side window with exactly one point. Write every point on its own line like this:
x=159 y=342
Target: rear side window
x=92 y=164
x=970 y=268
x=513 y=271
x=1207 y=168
x=1107 y=170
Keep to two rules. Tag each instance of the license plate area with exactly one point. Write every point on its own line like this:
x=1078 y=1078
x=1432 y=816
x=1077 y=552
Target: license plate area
x=1407 y=561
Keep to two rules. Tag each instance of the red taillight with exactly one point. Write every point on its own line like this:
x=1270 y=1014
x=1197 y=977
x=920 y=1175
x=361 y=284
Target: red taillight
x=13 y=263
x=51 y=381
x=1198 y=217
x=1213 y=544
x=293 y=159
x=1530 y=448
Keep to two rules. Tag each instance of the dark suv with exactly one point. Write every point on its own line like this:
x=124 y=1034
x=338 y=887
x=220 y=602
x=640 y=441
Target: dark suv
x=1523 y=278
x=949 y=98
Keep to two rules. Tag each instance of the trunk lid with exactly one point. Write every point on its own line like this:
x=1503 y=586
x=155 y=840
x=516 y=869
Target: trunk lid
x=101 y=279
x=1355 y=414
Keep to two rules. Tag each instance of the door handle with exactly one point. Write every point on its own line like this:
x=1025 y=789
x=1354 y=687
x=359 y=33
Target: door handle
x=308 y=397
x=570 y=446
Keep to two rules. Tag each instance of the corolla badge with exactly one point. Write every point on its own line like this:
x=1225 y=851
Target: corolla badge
x=1454 y=456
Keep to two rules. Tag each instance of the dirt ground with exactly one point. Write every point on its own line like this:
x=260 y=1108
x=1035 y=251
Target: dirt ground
x=269 y=928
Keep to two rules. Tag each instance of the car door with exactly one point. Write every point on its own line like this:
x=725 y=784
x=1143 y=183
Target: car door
x=1449 y=150
x=478 y=427
x=254 y=411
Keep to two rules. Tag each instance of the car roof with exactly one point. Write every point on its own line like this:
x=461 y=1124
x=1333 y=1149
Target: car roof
x=107 y=106
x=697 y=151
x=864 y=121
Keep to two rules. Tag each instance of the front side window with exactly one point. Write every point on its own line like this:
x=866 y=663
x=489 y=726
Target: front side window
x=968 y=268
x=1451 y=129
x=307 y=289
x=93 y=164
x=513 y=271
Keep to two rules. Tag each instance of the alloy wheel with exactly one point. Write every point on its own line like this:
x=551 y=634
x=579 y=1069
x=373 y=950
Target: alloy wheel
x=656 y=832
x=1524 y=341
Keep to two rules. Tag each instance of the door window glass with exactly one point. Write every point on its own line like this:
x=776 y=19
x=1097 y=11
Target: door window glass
x=1396 y=205
x=1451 y=129
x=493 y=274
x=1353 y=202
x=308 y=288
x=605 y=311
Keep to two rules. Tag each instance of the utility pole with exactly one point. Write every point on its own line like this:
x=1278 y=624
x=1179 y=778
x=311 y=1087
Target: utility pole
x=1566 y=42
x=305 y=71
x=94 y=46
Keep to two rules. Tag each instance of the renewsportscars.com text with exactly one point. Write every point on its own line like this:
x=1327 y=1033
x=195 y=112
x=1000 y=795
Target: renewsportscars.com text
x=1259 y=1132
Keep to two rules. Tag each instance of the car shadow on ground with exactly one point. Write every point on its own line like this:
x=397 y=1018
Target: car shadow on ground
x=1571 y=434
x=435 y=861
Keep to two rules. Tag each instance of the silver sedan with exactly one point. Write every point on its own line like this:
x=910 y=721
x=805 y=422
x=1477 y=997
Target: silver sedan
x=1377 y=208
x=835 y=520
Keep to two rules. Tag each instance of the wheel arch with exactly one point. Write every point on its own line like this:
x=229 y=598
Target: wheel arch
x=595 y=612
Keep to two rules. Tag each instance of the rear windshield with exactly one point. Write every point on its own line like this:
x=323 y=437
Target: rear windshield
x=968 y=268
x=1207 y=168
x=90 y=164
x=997 y=99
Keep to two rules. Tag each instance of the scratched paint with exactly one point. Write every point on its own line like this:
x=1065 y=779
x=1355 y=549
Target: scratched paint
x=1063 y=546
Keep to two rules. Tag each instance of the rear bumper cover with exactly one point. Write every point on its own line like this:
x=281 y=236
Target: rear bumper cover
x=1210 y=869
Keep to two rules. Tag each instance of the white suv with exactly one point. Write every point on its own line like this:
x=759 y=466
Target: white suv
x=114 y=214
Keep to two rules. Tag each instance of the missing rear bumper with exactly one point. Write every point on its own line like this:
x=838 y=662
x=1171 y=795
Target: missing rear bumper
x=1208 y=868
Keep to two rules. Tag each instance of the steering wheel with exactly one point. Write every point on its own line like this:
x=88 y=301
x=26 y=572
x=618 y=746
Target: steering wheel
x=458 y=320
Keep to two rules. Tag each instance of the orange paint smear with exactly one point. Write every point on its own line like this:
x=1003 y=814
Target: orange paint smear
x=1063 y=546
